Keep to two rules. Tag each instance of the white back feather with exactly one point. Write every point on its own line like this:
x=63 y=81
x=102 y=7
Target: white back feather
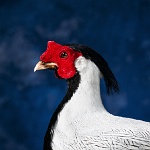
x=84 y=123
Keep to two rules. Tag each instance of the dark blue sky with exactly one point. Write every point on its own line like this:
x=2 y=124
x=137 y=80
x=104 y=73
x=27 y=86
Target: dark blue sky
x=119 y=30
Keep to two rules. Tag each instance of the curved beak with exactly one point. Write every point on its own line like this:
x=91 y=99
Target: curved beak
x=42 y=65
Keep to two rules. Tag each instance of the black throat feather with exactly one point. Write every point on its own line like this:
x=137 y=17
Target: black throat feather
x=73 y=84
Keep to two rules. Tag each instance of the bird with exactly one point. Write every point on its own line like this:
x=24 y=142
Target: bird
x=81 y=122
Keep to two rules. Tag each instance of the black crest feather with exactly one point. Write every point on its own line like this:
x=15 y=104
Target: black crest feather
x=110 y=80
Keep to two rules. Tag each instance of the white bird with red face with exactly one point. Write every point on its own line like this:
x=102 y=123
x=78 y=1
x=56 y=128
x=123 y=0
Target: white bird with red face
x=80 y=121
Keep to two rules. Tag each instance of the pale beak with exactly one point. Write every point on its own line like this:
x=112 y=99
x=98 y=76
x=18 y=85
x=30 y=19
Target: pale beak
x=42 y=65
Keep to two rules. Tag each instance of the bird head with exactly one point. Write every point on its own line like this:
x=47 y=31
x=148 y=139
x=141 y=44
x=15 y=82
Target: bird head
x=62 y=58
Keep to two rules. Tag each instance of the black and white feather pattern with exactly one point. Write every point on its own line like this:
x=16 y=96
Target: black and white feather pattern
x=82 y=123
x=119 y=139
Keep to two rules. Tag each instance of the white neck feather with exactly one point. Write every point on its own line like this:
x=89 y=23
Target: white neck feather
x=75 y=118
x=84 y=117
x=87 y=97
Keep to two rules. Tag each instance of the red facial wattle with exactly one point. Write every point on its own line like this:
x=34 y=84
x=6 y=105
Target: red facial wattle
x=63 y=56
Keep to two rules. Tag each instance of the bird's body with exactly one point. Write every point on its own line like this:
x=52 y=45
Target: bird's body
x=82 y=123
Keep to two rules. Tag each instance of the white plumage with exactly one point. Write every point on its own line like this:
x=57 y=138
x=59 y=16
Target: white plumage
x=80 y=121
x=84 y=124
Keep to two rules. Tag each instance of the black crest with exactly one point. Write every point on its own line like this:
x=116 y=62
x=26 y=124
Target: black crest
x=88 y=53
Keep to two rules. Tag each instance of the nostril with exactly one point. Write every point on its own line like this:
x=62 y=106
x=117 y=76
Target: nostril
x=43 y=62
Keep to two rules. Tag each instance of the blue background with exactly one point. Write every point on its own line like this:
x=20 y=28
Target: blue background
x=118 y=29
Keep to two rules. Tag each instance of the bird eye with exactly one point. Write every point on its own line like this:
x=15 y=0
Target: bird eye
x=63 y=55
